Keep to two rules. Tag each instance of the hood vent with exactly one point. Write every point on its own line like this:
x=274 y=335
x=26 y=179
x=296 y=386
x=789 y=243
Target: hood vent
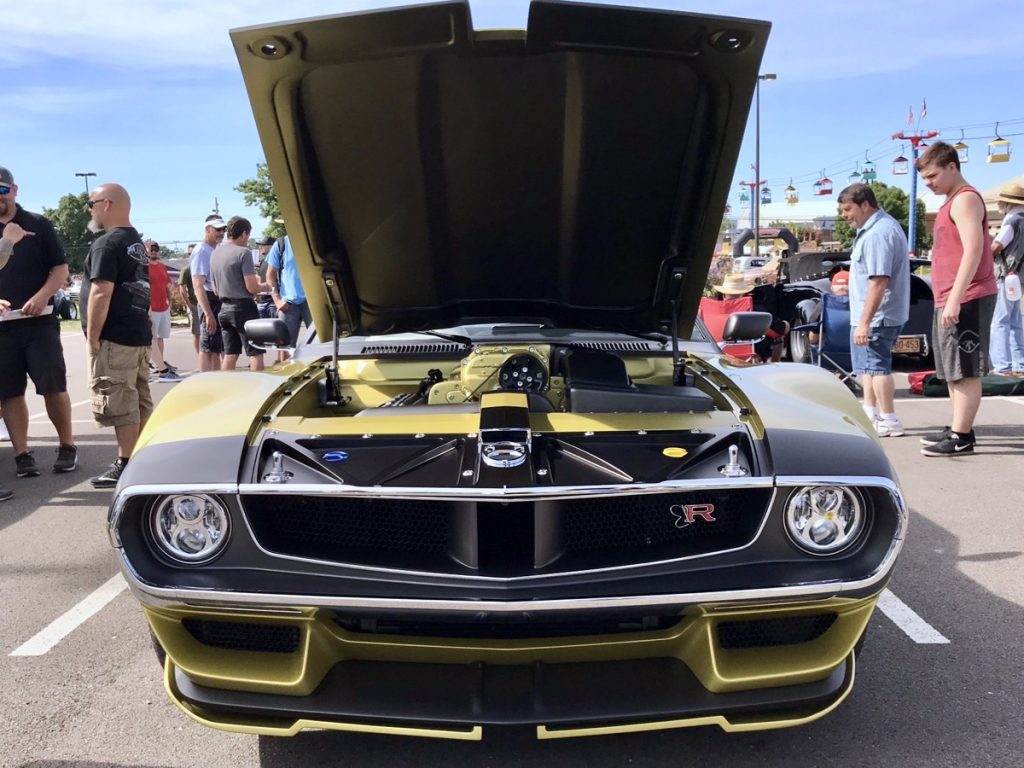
x=444 y=348
x=619 y=346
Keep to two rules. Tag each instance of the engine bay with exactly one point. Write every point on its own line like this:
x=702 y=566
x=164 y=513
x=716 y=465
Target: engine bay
x=555 y=377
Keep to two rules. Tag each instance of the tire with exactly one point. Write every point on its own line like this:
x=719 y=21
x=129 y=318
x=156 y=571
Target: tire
x=799 y=347
x=70 y=310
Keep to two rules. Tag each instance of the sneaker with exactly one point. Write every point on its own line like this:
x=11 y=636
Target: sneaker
x=953 y=445
x=168 y=375
x=27 y=466
x=169 y=367
x=887 y=428
x=5 y=494
x=67 y=458
x=937 y=437
x=109 y=478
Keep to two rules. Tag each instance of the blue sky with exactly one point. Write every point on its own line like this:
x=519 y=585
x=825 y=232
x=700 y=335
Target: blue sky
x=148 y=93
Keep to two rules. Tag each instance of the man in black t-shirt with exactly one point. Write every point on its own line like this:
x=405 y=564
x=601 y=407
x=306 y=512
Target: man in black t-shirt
x=34 y=267
x=115 y=317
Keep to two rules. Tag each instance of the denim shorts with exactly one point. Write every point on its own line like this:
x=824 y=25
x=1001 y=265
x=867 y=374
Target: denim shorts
x=875 y=359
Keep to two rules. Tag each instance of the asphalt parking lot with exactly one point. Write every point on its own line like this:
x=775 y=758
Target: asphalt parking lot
x=938 y=685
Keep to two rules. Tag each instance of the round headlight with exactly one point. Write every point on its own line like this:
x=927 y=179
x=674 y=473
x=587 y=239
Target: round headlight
x=190 y=529
x=824 y=519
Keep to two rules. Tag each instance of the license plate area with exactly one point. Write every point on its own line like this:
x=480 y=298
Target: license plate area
x=909 y=345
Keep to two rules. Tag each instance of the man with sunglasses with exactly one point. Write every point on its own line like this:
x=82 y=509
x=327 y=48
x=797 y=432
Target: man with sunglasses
x=115 y=317
x=30 y=346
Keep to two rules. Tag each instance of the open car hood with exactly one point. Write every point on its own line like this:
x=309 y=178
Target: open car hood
x=574 y=173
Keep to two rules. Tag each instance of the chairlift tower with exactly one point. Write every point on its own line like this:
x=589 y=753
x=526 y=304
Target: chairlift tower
x=916 y=141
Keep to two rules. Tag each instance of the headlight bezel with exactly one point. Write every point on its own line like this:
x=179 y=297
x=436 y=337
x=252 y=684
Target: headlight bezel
x=801 y=537
x=163 y=538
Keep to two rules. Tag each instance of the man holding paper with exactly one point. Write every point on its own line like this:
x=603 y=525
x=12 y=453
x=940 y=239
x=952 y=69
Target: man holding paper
x=32 y=270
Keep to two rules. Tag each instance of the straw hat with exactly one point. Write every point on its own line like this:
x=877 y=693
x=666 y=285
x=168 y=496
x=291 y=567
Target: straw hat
x=1012 y=194
x=734 y=284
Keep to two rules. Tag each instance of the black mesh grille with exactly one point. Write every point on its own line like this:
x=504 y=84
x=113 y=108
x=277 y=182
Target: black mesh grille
x=242 y=636
x=518 y=538
x=761 y=633
x=325 y=527
x=697 y=521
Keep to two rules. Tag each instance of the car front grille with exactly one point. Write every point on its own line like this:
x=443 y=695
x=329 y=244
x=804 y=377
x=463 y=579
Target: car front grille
x=506 y=539
x=764 y=633
x=244 y=636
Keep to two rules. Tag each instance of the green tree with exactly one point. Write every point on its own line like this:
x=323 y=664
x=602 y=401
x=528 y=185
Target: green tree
x=896 y=203
x=70 y=218
x=260 y=192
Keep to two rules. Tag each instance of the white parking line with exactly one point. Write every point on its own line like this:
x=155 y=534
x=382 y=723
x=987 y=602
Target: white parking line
x=42 y=414
x=916 y=628
x=70 y=621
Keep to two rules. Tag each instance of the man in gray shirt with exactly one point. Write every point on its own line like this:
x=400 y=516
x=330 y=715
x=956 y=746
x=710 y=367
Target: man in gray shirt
x=235 y=282
x=879 y=301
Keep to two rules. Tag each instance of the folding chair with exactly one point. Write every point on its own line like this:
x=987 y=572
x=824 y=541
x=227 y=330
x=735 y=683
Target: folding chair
x=714 y=313
x=832 y=351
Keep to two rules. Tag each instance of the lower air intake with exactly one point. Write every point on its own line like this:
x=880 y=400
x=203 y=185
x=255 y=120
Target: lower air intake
x=242 y=636
x=763 y=633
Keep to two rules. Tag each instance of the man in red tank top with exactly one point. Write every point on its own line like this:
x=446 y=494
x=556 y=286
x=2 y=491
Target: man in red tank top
x=964 y=285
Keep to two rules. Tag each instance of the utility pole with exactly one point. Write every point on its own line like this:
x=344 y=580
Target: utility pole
x=86 y=176
x=216 y=207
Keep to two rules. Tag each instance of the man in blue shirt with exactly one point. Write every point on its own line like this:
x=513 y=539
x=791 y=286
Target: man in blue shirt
x=286 y=289
x=879 y=301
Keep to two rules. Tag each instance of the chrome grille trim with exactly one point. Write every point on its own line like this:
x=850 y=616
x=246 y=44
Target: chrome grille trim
x=212 y=599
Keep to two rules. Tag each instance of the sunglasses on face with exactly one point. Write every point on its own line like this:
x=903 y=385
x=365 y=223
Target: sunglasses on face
x=91 y=203
x=5 y=190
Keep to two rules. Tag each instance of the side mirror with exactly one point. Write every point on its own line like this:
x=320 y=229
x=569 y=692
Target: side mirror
x=741 y=327
x=268 y=333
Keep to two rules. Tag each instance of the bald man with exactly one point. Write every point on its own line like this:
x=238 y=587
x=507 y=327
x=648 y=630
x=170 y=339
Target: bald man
x=115 y=316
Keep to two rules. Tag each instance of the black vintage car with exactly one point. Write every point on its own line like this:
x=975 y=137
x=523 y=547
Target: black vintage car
x=512 y=480
x=801 y=300
x=805 y=275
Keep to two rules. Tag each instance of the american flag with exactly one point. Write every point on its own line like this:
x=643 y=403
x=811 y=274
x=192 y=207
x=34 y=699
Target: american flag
x=910 y=115
x=924 y=109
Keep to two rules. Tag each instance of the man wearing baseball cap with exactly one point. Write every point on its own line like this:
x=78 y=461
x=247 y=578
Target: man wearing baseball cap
x=211 y=347
x=30 y=347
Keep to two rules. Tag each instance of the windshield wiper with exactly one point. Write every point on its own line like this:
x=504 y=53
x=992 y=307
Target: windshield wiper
x=463 y=340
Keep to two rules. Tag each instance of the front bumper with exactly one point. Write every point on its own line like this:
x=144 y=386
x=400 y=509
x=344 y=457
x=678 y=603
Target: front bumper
x=786 y=667
x=560 y=700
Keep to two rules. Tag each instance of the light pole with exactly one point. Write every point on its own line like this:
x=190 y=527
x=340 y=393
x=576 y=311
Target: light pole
x=757 y=161
x=86 y=176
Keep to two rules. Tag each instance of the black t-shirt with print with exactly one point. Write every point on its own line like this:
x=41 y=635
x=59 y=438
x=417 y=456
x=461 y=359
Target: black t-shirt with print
x=33 y=258
x=118 y=256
